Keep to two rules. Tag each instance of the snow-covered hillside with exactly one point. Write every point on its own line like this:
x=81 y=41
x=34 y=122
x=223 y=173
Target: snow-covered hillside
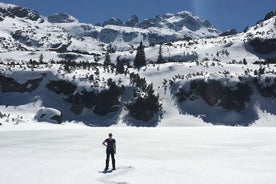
x=56 y=63
x=27 y=88
x=161 y=155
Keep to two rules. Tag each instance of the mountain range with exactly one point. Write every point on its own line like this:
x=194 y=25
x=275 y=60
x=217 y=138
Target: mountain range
x=25 y=29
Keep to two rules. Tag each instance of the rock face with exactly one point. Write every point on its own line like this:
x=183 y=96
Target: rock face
x=49 y=115
x=229 y=32
x=8 y=84
x=61 y=18
x=113 y=21
x=61 y=86
x=263 y=46
x=15 y=11
x=215 y=94
x=132 y=22
x=108 y=35
x=216 y=102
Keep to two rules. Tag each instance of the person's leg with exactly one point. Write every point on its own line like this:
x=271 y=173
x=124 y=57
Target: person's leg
x=113 y=160
x=107 y=160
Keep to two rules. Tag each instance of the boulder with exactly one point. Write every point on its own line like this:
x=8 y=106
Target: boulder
x=49 y=115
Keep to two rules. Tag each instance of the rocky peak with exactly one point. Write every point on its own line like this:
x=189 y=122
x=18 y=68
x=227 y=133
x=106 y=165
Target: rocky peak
x=133 y=21
x=8 y=10
x=186 y=19
x=113 y=21
x=268 y=16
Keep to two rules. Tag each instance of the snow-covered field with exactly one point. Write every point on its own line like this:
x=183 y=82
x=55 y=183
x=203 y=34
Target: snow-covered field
x=74 y=154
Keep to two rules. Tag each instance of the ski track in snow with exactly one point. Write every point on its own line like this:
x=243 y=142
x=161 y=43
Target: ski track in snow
x=110 y=175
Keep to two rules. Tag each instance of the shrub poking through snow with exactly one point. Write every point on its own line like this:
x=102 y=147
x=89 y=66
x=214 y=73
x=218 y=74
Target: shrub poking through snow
x=145 y=104
x=61 y=86
x=102 y=103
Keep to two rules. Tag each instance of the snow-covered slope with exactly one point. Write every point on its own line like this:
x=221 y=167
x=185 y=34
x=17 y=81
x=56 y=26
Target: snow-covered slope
x=36 y=50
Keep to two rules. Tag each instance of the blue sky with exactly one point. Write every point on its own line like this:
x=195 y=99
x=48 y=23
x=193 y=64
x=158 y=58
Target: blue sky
x=224 y=14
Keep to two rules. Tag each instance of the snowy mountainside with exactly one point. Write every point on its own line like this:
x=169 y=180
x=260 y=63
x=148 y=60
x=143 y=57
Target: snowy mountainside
x=242 y=96
x=57 y=69
x=225 y=49
x=66 y=38
x=160 y=29
x=25 y=30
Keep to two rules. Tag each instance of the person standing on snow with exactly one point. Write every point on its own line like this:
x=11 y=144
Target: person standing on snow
x=110 y=145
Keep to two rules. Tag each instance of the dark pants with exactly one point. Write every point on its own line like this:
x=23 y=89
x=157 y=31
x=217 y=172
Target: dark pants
x=108 y=154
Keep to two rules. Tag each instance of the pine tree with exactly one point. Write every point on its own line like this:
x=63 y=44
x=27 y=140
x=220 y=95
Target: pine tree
x=119 y=66
x=160 y=58
x=107 y=60
x=41 y=58
x=140 y=58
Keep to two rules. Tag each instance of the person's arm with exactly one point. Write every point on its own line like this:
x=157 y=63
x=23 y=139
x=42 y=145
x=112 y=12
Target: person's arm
x=104 y=142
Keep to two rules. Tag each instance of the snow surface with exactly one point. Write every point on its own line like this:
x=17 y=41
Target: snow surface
x=74 y=154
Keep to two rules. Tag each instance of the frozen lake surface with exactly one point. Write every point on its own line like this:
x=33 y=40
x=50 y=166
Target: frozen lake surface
x=209 y=155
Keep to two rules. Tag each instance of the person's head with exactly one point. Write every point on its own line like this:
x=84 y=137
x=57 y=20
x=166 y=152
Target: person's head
x=110 y=135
